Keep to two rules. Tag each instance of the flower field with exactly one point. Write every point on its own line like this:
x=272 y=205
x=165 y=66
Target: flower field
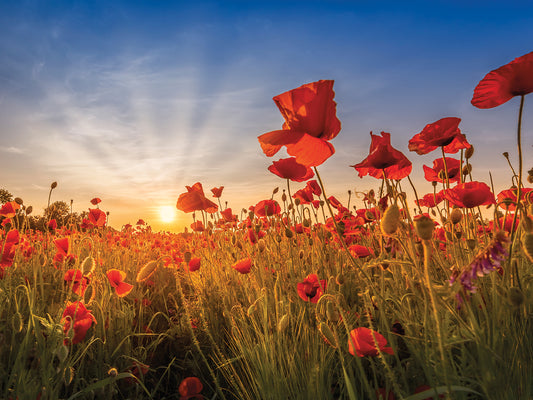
x=299 y=296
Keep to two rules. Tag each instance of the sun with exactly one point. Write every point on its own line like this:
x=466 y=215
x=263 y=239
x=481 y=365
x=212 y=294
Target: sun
x=167 y=214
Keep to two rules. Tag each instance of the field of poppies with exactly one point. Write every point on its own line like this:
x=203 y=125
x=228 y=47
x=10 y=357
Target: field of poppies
x=300 y=296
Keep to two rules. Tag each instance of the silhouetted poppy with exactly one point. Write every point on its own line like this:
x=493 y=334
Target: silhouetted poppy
x=195 y=200
x=310 y=122
x=190 y=388
x=116 y=279
x=470 y=194
x=289 y=168
x=62 y=245
x=217 y=191
x=243 y=266
x=311 y=288
x=362 y=343
x=443 y=133
x=305 y=195
x=267 y=208
x=431 y=199
x=95 y=201
x=77 y=318
x=314 y=186
x=438 y=173
x=52 y=224
x=502 y=84
x=359 y=251
x=228 y=215
x=97 y=217
x=384 y=160
x=198 y=226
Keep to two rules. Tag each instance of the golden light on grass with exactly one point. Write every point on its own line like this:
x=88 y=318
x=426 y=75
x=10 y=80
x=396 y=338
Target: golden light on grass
x=167 y=214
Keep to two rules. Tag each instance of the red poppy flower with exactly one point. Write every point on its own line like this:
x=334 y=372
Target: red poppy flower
x=95 y=201
x=311 y=288
x=116 y=279
x=359 y=251
x=243 y=266
x=194 y=264
x=267 y=208
x=190 y=388
x=75 y=278
x=315 y=187
x=502 y=84
x=217 y=191
x=289 y=168
x=97 y=217
x=384 y=160
x=228 y=215
x=510 y=195
x=310 y=122
x=470 y=194
x=198 y=226
x=52 y=225
x=9 y=210
x=195 y=200
x=62 y=245
x=78 y=318
x=8 y=253
x=431 y=199
x=438 y=173
x=443 y=133
x=305 y=195
x=362 y=343
x=140 y=222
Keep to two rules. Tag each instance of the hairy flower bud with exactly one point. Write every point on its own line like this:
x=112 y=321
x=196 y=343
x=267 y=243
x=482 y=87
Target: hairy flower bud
x=469 y=152
x=456 y=216
x=424 y=227
x=390 y=220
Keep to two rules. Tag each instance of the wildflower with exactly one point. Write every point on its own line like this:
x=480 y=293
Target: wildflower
x=243 y=266
x=431 y=199
x=9 y=210
x=362 y=343
x=95 y=201
x=289 y=168
x=194 y=264
x=507 y=198
x=310 y=122
x=75 y=278
x=77 y=318
x=384 y=161
x=8 y=254
x=195 y=200
x=190 y=388
x=198 y=226
x=267 y=208
x=438 y=172
x=359 y=251
x=470 y=194
x=97 y=217
x=502 y=84
x=443 y=133
x=217 y=191
x=52 y=224
x=311 y=288
x=487 y=260
x=116 y=279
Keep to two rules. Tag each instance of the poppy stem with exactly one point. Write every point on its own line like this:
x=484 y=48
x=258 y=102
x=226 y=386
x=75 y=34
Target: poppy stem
x=519 y=190
x=416 y=194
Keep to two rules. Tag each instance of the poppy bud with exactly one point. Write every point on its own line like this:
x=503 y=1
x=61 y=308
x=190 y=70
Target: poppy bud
x=458 y=234
x=467 y=169
x=288 y=233
x=53 y=185
x=505 y=154
x=434 y=183
x=297 y=202
x=515 y=296
x=187 y=256
x=29 y=209
x=233 y=239
x=261 y=245
x=310 y=241
x=148 y=269
x=276 y=190
x=283 y=323
x=321 y=203
x=306 y=222
x=251 y=215
x=284 y=197
x=290 y=207
x=391 y=220
x=527 y=245
x=456 y=216
x=18 y=200
x=469 y=152
x=332 y=313
x=88 y=265
x=327 y=334
x=471 y=243
x=424 y=227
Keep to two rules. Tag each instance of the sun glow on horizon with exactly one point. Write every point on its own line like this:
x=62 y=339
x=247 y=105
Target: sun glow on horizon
x=167 y=214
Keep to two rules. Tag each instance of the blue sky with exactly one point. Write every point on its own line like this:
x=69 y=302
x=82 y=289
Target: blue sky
x=131 y=101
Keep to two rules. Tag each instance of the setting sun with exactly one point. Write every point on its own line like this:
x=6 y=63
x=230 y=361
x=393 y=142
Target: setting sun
x=167 y=213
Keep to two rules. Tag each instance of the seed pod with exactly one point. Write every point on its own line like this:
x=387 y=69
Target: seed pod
x=390 y=220
x=19 y=201
x=261 y=245
x=424 y=227
x=276 y=190
x=187 y=256
x=283 y=197
x=288 y=233
x=527 y=245
x=471 y=243
x=327 y=334
x=53 y=185
x=306 y=222
x=456 y=216
x=469 y=152
x=29 y=209
x=467 y=169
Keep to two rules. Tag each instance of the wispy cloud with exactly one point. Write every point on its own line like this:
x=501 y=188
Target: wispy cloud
x=12 y=150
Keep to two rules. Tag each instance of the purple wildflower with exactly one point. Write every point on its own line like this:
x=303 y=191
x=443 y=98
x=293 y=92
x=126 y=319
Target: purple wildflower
x=487 y=260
